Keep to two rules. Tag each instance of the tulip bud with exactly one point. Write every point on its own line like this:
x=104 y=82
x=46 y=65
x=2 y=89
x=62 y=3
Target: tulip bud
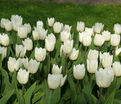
x=35 y=34
x=89 y=31
x=40 y=54
x=81 y=35
x=2 y=24
x=16 y=21
x=106 y=35
x=4 y=39
x=80 y=26
x=65 y=35
x=93 y=54
x=115 y=40
x=42 y=33
x=33 y=66
x=57 y=27
x=50 y=42
x=3 y=52
x=50 y=21
x=117 y=51
x=8 y=25
x=104 y=77
x=106 y=59
x=20 y=51
x=56 y=69
x=98 y=27
x=99 y=40
x=117 y=28
x=23 y=62
x=86 y=40
x=22 y=76
x=13 y=64
x=67 y=28
x=74 y=54
x=79 y=71
x=28 y=26
x=68 y=46
x=22 y=32
x=28 y=44
x=39 y=24
x=117 y=68
x=56 y=80
x=92 y=65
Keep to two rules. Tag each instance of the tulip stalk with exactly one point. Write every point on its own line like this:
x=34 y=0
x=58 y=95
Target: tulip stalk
x=99 y=100
x=48 y=63
x=22 y=89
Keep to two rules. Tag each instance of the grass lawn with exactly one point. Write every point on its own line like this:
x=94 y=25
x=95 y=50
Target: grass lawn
x=67 y=13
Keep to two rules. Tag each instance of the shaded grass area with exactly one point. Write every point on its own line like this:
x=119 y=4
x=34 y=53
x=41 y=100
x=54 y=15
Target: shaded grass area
x=67 y=13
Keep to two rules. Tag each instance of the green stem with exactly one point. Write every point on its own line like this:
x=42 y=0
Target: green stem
x=48 y=62
x=99 y=100
x=77 y=85
x=65 y=65
x=22 y=90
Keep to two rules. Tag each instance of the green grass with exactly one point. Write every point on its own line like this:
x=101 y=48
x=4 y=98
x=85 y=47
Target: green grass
x=67 y=13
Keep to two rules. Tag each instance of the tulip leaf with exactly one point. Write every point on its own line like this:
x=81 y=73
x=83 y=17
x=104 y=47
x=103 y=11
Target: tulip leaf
x=116 y=101
x=28 y=94
x=0 y=60
x=6 y=97
x=118 y=94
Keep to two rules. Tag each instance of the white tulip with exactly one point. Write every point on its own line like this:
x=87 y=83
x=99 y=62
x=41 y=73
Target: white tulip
x=106 y=59
x=33 y=66
x=115 y=40
x=117 y=51
x=93 y=54
x=79 y=71
x=40 y=54
x=86 y=40
x=35 y=34
x=81 y=35
x=13 y=64
x=64 y=35
x=107 y=35
x=56 y=69
x=16 y=21
x=67 y=46
x=20 y=51
x=117 y=68
x=98 y=27
x=4 y=39
x=2 y=23
x=56 y=80
x=50 y=42
x=50 y=21
x=3 y=52
x=57 y=27
x=22 y=76
x=92 y=65
x=80 y=26
x=39 y=24
x=23 y=62
x=28 y=44
x=89 y=31
x=99 y=40
x=22 y=32
x=117 y=28
x=42 y=33
x=8 y=25
x=67 y=28
x=28 y=26
x=74 y=54
x=104 y=77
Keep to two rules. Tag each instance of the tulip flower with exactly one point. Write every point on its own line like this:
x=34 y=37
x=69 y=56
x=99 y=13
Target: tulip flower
x=22 y=76
x=4 y=39
x=107 y=35
x=99 y=40
x=89 y=31
x=81 y=35
x=115 y=39
x=28 y=44
x=57 y=27
x=40 y=54
x=50 y=42
x=64 y=35
x=80 y=26
x=93 y=54
x=8 y=25
x=2 y=23
x=35 y=34
x=56 y=69
x=79 y=71
x=67 y=28
x=104 y=77
x=117 y=28
x=117 y=51
x=39 y=24
x=98 y=27
x=86 y=40
x=33 y=66
x=28 y=26
x=50 y=21
x=20 y=51
x=74 y=54
x=3 y=52
x=23 y=62
x=117 y=68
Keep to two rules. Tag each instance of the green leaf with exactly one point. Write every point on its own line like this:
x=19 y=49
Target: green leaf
x=28 y=94
x=6 y=97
